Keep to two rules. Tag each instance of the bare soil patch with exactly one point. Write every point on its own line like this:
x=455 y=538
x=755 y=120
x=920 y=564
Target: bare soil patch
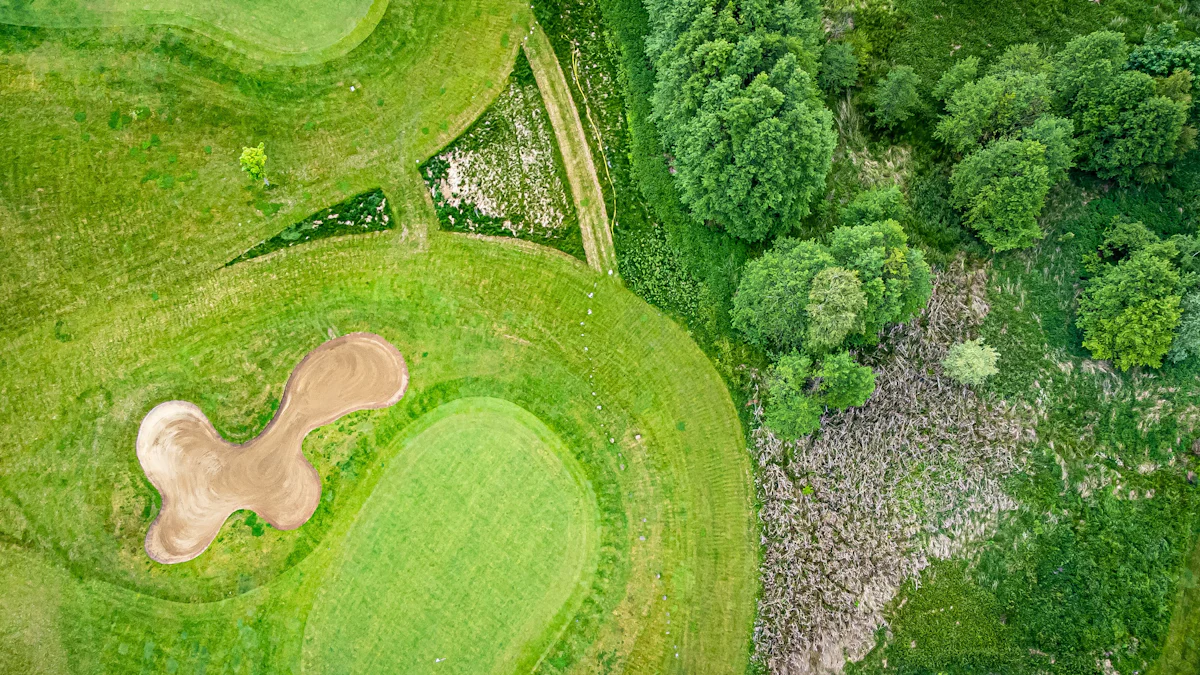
x=203 y=478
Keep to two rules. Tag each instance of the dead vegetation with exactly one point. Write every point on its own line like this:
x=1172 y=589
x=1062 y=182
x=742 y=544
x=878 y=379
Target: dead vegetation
x=852 y=512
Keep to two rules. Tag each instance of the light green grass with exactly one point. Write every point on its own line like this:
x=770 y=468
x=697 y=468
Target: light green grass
x=282 y=31
x=113 y=298
x=474 y=318
x=1181 y=651
x=459 y=562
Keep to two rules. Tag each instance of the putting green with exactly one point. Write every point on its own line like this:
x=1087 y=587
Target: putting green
x=281 y=31
x=470 y=545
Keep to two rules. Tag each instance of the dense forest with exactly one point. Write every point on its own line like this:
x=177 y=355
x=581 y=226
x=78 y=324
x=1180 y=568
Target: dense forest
x=945 y=253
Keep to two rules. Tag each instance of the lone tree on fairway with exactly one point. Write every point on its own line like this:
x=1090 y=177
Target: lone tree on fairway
x=254 y=162
x=970 y=362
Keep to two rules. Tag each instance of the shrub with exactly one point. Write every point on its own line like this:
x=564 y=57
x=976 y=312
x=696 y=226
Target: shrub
x=896 y=98
x=876 y=205
x=1130 y=311
x=844 y=383
x=970 y=362
x=839 y=67
x=254 y=162
x=1186 y=344
x=1001 y=190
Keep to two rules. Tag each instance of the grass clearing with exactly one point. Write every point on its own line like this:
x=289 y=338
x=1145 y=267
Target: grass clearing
x=464 y=556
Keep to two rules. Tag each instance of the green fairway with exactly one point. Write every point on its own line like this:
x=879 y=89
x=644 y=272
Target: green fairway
x=600 y=491
x=287 y=31
x=647 y=420
x=473 y=540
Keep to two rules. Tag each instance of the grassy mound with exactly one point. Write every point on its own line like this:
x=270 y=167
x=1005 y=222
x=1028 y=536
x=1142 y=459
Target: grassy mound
x=465 y=553
x=286 y=31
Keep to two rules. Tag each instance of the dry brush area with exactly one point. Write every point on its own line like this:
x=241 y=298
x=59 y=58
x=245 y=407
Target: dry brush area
x=855 y=510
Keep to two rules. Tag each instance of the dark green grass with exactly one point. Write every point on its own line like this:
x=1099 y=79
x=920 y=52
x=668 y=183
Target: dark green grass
x=367 y=212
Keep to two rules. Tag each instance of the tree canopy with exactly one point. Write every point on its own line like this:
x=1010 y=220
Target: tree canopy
x=737 y=109
x=1001 y=190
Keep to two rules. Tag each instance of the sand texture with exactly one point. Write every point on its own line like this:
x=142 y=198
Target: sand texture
x=203 y=478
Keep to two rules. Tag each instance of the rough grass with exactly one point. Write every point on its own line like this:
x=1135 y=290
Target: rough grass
x=90 y=115
x=291 y=31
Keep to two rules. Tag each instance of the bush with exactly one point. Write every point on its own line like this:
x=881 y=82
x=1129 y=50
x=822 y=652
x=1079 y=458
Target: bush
x=254 y=162
x=970 y=362
x=876 y=205
x=839 y=67
x=993 y=107
x=844 y=383
x=896 y=98
x=1186 y=344
x=1129 y=312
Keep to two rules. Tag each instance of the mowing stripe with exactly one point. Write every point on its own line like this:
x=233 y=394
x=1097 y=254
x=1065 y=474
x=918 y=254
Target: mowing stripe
x=577 y=156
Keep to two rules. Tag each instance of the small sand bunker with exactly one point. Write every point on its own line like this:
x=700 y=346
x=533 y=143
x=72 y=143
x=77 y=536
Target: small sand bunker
x=203 y=479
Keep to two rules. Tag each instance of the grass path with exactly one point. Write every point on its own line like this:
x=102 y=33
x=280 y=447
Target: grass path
x=577 y=156
x=1181 y=651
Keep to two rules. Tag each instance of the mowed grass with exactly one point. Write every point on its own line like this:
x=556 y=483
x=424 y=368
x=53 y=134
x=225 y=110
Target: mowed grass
x=460 y=561
x=293 y=31
x=120 y=203
x=121 y=168
x=638 y=405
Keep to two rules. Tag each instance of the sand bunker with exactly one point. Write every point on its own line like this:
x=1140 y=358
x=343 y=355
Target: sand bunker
x=203 y=479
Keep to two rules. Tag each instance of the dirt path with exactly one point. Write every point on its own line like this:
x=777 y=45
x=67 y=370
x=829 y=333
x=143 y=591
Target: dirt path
x=203 y=478
x=577 y=156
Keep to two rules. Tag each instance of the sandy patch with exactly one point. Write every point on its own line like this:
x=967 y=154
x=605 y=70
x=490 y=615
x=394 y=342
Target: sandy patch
x=203 y=478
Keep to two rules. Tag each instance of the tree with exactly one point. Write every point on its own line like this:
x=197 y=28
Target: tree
x=844 y=383
x=993 y=107
x=1023 y=58
x=835 y=306
x=1002 y=190
x=894 y=277
x=790 y=411
x=1057 y=136
x=254 y=162
x=896 y=97
x=1129 y=312
x=955 y=77
x=839 y=67
x=876 y=205
x=769 y=307
x=970 y=362
x=750 y=138
x=1126 y=128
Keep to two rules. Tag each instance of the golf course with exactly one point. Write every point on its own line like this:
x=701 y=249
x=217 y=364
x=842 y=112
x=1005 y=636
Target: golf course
x=553 y=477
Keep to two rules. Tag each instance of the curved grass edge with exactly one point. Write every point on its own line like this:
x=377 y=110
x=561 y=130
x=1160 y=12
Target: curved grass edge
x=225 y=38
x=535 y=650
